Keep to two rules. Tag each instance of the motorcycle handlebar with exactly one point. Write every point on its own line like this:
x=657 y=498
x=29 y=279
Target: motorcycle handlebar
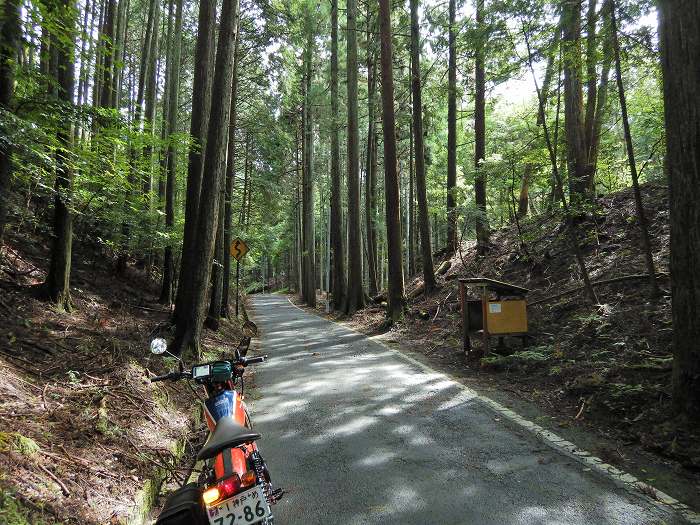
x=253 y=360
x=172 y=376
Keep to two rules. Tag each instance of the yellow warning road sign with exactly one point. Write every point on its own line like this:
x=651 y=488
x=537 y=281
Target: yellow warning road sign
x=238 y=249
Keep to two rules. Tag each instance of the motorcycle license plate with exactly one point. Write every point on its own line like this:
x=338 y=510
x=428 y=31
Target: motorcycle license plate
x=242 y=509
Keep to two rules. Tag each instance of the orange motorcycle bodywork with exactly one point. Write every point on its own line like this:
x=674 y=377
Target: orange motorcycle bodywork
x=237 y=455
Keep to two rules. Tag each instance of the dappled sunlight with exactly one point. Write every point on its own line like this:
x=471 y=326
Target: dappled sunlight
x=376 y=458
x=376 y=439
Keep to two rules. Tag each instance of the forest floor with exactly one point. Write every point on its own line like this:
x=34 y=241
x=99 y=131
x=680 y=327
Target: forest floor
x=598 y=375
x=84 y=435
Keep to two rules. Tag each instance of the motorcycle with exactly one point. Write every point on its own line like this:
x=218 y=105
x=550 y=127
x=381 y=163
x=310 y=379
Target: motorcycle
x=234 y=486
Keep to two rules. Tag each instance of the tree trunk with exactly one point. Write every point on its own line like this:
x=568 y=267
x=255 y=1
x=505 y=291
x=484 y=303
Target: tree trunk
x=10 y=33
x=355 y=298
x=146 y=89
x=57 y=285
x=549 y=70
x=244 y=196
x=119 y=51
x=99 y=55
x=423 y=219
x=298 y=218
x=308 y=227
x=201 y=97
x=162 y=153
x=523 y=199
x=679 y=32
x=108 y=34
x=641 y=217
x=190 y=319
x=338 y=271
x=85 y=37
x=217 y=276
x=396 y=298
x=223 y=236
x=452 y=134
x=411 y=211
x=573 y=103
x=482 y=225
x=166 y=294
x=591 y=75
x=593 y=143
x=150 y=96
x=371 y=166
x=230 y=180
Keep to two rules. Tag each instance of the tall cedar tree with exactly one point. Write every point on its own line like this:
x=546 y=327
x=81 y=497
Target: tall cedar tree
x=641 y=217
x=482 y=225
x=191 y=317
x=201 y=97
x=230 y=179
x=396 y=298
x=598 y=104
x=371 y=163
x=108 y=36
x=57 y=285
x=223 y=235
x=355 y=297
x=411 y=209
x=591 y=86
x=338 y=259
x=166 y=294
x=679 y=32
x=9 y=41
x=148 y=73
x=150 y=99
x=309 y=233
x=452 y=133
x=423 y=218
x=577 y=159
x=163 y=151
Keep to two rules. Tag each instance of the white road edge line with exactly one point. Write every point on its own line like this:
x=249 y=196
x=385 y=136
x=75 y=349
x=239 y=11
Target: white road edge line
x=619 y=477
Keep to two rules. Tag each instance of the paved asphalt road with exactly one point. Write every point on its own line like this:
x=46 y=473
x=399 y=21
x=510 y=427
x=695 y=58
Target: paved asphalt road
x=356 y=435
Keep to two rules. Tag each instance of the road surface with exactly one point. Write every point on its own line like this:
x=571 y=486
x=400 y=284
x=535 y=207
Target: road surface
x=357 y=434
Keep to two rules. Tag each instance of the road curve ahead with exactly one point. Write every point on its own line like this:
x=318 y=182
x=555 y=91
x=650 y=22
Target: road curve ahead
x=357 y=434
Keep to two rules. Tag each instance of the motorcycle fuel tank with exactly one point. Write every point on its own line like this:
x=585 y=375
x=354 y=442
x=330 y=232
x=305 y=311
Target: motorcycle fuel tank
x=223 y=404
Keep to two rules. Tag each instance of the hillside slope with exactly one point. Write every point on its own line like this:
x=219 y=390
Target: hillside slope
x=84 y=436
x=605 y=368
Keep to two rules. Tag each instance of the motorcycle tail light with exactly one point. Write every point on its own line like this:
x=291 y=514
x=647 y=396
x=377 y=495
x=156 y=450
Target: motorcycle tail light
x=230 y=486
x=211 y=495
x=248 y=479
x=222 y=490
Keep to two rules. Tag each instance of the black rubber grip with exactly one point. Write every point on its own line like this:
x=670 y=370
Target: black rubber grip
x=253 y=360
x=172 y=376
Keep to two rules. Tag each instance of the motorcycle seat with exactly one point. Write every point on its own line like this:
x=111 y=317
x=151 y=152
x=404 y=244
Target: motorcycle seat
x=227 y=434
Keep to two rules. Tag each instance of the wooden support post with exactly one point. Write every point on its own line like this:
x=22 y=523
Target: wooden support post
x=238 y=274
x=465 y=319
x=485 y=323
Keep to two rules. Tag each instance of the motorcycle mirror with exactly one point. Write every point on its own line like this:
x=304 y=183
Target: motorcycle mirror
x=159 y=346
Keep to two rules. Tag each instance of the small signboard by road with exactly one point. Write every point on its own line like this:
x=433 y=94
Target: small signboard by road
x=238 y=249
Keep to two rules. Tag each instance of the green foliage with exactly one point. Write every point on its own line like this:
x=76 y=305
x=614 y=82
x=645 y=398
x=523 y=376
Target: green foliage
x=14 y=512
x=18 y=443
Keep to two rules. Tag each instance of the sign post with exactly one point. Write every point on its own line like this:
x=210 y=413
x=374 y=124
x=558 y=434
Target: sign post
x=238 y=250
